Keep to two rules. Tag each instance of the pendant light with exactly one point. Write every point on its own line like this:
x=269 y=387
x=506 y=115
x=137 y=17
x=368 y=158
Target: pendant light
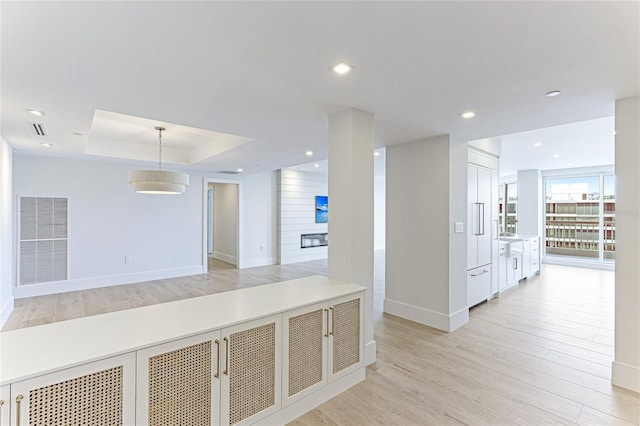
x=158 y=181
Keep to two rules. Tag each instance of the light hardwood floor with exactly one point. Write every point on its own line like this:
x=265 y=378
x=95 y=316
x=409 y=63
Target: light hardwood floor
x=540 y=354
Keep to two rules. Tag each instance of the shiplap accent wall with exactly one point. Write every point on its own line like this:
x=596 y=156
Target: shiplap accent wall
x=297 y=192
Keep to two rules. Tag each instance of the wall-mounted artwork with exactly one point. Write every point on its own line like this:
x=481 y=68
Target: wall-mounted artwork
x=322 y=208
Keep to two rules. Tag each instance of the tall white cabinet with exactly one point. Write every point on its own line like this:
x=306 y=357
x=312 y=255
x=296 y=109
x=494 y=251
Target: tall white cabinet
x=482 y=227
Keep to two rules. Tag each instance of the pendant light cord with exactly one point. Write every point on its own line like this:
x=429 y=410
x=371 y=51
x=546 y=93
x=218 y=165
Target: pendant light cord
x=160 y=150
x=160 y=129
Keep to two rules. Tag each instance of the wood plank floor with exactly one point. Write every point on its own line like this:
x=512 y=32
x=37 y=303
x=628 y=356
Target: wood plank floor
x=538 y=355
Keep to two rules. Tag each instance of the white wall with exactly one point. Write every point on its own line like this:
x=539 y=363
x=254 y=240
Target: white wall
x=225 y=222
x=626 y=365
x=424 y=180
x=6 y=231
x=107 y=221
x=260 y=222
x=530 y=196
x=298 y=189
x=379 y=200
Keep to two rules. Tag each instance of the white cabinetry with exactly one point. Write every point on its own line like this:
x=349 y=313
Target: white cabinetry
x=100 y=392
x=482 y=230
x=479 y=216
x=322 y=343
x=251 y=371
x=534 y=266
x=5 y=404
x=526 y=258
x=514 y=263
x=179 y=382
x=502 y=266
x=228 y=371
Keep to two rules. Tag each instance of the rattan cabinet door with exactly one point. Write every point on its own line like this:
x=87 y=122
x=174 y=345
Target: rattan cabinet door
x=178 y=383
x=100 y=393
x=5 y=405
x=304 y=353
x=346 y=335
x=251 y=370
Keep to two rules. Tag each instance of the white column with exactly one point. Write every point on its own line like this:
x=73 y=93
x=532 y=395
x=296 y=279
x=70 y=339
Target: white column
x=529 y=202
x=6 y=231
x=351 y=207
x=626 y=365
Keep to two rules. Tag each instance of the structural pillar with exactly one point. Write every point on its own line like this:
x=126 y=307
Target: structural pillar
x=350 y=224
x=625 y=370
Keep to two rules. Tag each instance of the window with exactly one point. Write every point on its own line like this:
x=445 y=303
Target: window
x=508 y=204
x=579 y=222
x=43 y=240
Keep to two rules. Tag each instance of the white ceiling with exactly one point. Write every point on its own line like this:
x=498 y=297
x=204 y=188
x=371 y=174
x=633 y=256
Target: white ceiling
x=584 y=144
x=260 y=70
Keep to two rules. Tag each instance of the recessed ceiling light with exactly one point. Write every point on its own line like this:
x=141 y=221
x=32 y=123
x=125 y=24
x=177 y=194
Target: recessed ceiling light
x=552 y=93
x=613 y=133
x=468 y=114
x=316 y=165
x=537 y=144
x=36 y=112
x=47 y=145
x=556 y=155
x=342 y=68
x=309 y=153
x=240 y=170
x=376 y=154
x=569 y=164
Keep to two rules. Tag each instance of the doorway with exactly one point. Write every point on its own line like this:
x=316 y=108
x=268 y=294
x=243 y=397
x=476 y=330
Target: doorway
x=221 y=224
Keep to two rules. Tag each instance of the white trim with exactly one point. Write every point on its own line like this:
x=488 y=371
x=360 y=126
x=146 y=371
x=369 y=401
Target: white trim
x=579 y=171
x=259 y=261
x=39 y=289
x=7 y=308
x=625 y=375
x=426 y=316
x=370 y=353
x=304 y=405
x=225 y=258
x=239 y=231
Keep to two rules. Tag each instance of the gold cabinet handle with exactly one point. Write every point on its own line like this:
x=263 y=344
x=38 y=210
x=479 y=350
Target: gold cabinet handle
x=18 y=400
x=326 y=311
x=217 y=342
x=226 y=358
x=331 y=332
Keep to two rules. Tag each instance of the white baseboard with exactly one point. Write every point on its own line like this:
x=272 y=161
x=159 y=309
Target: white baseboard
x=370 y=353
x=255 y=262
x=308 y=403
x=626 y=376
x=225 y=258
x=41 y=289
x=7 y=308
x=426 y=316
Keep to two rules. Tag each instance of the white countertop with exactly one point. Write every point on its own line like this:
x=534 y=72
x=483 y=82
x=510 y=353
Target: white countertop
x=516 y=237
x=34 y=351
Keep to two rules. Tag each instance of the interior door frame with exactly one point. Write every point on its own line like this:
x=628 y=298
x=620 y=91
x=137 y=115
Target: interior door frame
x=239 y=229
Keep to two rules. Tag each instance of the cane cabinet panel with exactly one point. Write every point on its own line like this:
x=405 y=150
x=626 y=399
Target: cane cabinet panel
x=97 y=393
x=5 y=405
x=251 y=373
x=304 y=351
x=346 y=335
x=179 y=382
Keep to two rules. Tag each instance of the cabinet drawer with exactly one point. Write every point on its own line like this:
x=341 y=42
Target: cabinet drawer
x=478 y=285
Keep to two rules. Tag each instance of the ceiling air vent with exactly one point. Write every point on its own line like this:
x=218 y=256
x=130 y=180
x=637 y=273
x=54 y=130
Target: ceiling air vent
x=38 y=129
x=228 y=172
